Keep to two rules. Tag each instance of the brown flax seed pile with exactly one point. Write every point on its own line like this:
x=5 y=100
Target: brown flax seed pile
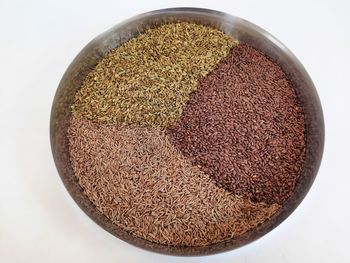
x=244 y=127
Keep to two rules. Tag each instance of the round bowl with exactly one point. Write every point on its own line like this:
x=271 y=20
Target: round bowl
x=238 y=28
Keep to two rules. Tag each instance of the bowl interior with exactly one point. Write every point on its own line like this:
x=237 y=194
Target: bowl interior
x=238 y=28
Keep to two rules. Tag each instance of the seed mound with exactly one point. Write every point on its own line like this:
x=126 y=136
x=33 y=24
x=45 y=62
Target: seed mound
x=143 y=184
x=244 y=127
x=147 y=80
x=184 y=137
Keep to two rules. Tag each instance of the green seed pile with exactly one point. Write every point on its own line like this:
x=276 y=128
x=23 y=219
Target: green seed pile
x=148 y=80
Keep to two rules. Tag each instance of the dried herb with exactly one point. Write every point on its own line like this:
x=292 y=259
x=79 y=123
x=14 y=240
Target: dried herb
x=148 y=79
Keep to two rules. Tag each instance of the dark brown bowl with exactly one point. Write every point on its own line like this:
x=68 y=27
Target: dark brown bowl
x=238 y=28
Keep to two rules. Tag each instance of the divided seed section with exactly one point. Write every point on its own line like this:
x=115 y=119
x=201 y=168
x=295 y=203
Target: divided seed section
x=187 y=131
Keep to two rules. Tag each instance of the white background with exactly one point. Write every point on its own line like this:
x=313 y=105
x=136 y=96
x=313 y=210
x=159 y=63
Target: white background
x=39 y=222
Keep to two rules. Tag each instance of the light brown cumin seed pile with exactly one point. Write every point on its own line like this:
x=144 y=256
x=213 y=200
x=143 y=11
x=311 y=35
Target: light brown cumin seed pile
x=143 y=184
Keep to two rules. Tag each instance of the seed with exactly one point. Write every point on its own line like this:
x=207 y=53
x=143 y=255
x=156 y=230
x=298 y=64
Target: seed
x=125 y=171
x=148 y=79
x=184 y=137
x=245 y=128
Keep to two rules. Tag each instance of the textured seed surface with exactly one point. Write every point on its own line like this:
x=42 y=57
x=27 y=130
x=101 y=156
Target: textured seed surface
x=142 y=183
x=148 y=79
x=244 y=127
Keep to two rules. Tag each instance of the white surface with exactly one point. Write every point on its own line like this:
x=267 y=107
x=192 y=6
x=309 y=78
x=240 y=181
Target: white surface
x=39 y=222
